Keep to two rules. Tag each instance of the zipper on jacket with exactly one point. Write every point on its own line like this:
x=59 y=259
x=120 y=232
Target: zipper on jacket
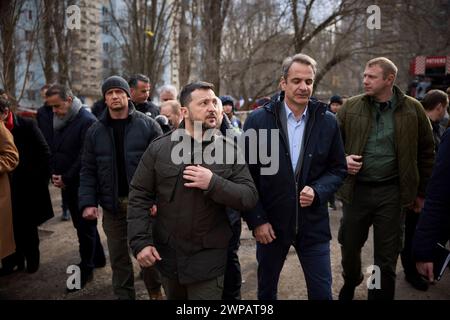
x=297 y=177
x=115 y=174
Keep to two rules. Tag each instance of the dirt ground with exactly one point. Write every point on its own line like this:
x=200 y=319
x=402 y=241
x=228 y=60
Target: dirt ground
x=59 y=249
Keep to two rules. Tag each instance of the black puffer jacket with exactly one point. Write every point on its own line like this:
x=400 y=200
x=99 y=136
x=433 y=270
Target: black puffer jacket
x=99 y=177
x=148 y=108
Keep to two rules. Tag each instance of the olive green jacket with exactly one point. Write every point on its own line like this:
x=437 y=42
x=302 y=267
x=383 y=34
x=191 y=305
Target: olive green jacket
x=191 y=230
x=413 y=142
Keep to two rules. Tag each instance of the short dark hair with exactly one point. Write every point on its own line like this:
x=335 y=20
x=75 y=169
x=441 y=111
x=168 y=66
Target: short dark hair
x=2 y=91
x=185 y=95
x=62 y=91
x=4 y=103
x=132 y=82
x=433 y=98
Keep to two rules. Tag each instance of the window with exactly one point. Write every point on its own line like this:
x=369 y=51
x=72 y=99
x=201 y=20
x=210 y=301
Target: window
x=105 y=64
x=30 y=15
x=105 y=46
x=104 y=11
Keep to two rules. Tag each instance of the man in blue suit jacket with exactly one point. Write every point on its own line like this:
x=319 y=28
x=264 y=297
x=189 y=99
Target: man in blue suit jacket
x=292 y=207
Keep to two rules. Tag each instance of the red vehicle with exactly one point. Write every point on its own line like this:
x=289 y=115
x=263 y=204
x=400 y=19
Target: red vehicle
x=26 y=112
x=429 y=72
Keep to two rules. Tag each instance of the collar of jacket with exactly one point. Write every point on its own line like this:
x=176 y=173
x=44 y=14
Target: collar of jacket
x=399 y=95
x=105 y=118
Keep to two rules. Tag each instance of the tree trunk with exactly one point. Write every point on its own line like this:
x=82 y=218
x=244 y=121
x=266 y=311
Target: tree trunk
x=61 y=41
x=184 y=45
x=9 y=14
x=214 y=14
x=49 y=55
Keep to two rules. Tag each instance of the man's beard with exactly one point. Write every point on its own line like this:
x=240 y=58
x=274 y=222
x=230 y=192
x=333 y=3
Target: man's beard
x=205 y=125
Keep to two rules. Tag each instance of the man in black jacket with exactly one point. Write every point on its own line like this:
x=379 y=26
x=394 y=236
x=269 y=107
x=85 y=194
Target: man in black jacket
x=293 y=201
x=70 y=123
x=189 y=236
x=140 y=88
x=114 y=145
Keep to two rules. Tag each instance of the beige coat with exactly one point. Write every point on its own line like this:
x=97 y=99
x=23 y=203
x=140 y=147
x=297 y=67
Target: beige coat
x=9 y=159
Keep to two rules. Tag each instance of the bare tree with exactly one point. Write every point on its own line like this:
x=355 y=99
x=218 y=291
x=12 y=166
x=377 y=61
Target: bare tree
x=213 y=17
x=9 y=16
x=48 y=41
x=143 y=35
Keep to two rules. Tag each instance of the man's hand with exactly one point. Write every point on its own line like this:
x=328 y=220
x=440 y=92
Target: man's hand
x=417 y=206
x=153 y=211
x=148 y=256
x=306 y=197
x=199 y=176
x=426 y=269
x=91 y=213
x=264 y=233
x=354 y=164
x=57 y=181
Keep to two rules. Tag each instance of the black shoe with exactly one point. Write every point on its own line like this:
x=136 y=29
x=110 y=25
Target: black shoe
x=417 y=282
x=11 y=264
x=347 y=292
x=33 y=261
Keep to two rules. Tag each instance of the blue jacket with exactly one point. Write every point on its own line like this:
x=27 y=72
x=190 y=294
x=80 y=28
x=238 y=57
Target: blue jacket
x=324 y=168
x=434 y=221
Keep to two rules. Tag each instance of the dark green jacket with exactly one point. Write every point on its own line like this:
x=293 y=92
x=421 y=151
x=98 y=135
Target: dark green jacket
x=413 y=142
x=191 y=230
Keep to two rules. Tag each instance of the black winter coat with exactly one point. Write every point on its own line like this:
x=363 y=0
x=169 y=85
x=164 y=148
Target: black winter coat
x=44 y=119
x=434 y=221
x=29 y=181
x=148 y=108
x=99 y=177
x=67 y=146
x=324 y=168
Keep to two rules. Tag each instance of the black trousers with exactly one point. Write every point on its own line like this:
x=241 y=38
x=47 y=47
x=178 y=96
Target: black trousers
x=90 y=246
x=233 y=278
x=27 y=244
x=408 y=263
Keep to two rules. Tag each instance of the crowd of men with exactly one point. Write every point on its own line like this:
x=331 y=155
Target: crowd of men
x=382 y=153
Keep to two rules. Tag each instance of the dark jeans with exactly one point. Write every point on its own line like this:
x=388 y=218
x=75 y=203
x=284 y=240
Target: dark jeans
x=90 y=246
x=316 y=265
x=377 y=206
x=233 y=278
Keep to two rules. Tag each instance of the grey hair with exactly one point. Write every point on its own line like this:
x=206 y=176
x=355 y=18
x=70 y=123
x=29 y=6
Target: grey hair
x=169 y=88
x=299 y=58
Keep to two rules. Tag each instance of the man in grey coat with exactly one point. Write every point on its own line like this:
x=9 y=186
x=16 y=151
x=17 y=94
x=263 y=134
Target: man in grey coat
x=189 y=236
